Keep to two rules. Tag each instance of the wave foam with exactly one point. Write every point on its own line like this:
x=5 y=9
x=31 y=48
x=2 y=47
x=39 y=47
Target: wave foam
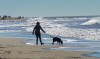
x=30 y=43
x=92 y=21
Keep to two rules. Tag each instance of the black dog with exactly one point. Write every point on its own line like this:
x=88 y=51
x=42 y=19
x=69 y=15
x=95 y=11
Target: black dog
x=58 y=40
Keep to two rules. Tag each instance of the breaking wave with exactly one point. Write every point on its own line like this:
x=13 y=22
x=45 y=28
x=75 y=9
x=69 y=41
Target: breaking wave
x=92 y=21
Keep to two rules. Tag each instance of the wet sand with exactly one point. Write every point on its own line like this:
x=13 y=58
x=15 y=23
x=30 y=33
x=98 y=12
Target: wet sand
x=11 y=48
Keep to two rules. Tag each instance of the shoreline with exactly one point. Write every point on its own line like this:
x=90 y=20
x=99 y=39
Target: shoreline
x=13 y=48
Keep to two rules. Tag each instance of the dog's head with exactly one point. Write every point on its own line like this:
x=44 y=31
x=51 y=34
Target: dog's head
x=61 y=42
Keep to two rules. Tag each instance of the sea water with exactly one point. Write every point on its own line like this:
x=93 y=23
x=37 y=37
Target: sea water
x=77 y=33
x=94 y=54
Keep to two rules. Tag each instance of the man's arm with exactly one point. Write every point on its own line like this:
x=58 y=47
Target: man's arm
x=33 y=30
x=42 y=30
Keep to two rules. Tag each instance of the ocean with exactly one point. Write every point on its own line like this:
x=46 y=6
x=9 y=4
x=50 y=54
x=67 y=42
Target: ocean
x=77 y=33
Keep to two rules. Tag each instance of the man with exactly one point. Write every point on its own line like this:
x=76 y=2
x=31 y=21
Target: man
x=37 y=29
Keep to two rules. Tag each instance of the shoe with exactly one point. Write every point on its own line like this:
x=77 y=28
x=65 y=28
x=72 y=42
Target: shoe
x=42 y=43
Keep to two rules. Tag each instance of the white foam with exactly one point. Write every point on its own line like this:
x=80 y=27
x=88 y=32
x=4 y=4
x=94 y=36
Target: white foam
x=63 y=47
x=92 y=21
x=29 y=29
x=71 y=40
x=54 y=28
x=30 y=43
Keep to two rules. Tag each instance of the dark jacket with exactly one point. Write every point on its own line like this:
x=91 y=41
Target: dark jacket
x=37 y=29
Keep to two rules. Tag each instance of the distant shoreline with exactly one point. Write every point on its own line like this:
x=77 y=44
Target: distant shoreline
x=12 y=19
x=5 y=17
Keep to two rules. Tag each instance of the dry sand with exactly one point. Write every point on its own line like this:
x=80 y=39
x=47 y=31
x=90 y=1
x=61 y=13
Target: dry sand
x=11 y=48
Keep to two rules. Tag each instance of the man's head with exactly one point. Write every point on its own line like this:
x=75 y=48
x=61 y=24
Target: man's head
x=38 y=23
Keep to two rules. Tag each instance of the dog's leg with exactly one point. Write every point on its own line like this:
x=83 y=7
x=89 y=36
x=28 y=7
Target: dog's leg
x=57 y=43
x=53 y=43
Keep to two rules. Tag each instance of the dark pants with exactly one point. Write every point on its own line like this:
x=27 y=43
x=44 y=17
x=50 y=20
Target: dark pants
x=38 y=37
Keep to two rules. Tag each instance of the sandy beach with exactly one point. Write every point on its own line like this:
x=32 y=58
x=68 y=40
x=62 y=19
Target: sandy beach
x=11 y=48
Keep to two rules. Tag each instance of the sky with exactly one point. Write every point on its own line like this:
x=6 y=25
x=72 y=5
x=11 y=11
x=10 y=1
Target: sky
x=42 y=8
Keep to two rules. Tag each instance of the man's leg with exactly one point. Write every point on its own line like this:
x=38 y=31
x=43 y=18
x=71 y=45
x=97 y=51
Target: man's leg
x=40 y=39
x=36 y=39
